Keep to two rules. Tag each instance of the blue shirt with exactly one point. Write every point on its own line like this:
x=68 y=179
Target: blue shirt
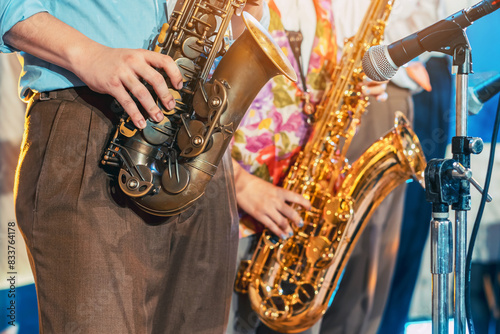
x=124 y=24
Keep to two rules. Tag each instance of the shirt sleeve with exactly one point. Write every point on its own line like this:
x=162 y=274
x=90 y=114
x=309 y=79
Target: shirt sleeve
x=408 y=17
x=14 y=11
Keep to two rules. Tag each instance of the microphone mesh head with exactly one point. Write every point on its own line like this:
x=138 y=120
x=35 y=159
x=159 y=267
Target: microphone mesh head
x=377 y=64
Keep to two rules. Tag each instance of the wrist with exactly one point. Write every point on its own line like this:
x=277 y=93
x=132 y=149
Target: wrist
x=80 y=56
x=241 y=177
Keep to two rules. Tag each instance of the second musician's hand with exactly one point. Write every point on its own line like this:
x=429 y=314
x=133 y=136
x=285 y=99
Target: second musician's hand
x=267 y=203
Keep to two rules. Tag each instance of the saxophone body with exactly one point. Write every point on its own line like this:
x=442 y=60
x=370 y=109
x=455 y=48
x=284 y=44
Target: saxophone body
x=166 y=167
x=291 y=282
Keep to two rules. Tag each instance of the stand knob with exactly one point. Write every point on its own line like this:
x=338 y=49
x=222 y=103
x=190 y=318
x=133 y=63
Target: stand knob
x=476 y=145
x=460 y=172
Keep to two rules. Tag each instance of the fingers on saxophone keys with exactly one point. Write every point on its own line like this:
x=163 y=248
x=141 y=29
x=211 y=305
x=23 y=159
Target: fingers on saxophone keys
x=130 y=108
x=292 y=197
x=272 y=225
x=290 y=213
x=301 y=200
x=157 y=81
x=144 y=97
x=167 y=100
x=280 y=224
x=170 y=67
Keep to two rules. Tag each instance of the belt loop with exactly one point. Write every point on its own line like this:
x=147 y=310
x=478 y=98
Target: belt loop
x=44 y=96
x=31 y=96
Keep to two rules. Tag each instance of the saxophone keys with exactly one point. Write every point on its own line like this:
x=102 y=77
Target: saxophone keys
x=158 y=133
x=338 y=210
x=318 y=252
x=243 y=277
x=191 y=138
x=191 y=48
x=178 y=102
x=163 y=34
x=206 y=24
x=175 y=178
x=275 y=307
x=127 y=129
x=289 y=254
x=186 y=67
x=136 y=186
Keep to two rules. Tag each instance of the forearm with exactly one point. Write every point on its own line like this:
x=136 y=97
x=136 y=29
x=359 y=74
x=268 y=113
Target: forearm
x=50 y=39
x=276 y=210
x=239 y=176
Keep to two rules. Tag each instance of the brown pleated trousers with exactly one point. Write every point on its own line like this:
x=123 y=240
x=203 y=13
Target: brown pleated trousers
x=99 y=265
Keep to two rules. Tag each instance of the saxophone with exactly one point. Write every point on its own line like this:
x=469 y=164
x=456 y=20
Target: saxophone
x=166 y=167
x=291 y=282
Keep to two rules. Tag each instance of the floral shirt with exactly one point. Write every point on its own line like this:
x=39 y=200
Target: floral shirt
x=275 y=128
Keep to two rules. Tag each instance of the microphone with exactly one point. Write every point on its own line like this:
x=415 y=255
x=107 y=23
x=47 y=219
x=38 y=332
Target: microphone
x=381 y=62
x=481 y=93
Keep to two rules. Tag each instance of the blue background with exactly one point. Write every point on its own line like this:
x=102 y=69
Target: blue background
x=484 y=39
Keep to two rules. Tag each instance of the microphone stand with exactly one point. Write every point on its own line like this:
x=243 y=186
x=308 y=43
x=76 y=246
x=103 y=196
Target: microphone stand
x=460 y=148
x=447 y=183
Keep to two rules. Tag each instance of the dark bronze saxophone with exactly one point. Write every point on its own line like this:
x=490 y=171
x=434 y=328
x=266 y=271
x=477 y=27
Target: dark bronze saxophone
x=291 y=282
x=166 y=167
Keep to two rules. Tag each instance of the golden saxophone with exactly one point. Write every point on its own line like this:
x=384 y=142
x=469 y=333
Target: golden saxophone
x=166 y=167
x=291 y=282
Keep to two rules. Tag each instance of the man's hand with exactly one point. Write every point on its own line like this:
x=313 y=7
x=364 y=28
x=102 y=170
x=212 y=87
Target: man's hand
x=118 y=71
x=106 y=70
x=267 y=203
